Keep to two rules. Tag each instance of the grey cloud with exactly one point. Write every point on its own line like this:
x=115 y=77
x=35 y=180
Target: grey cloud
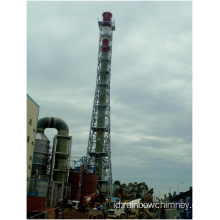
x=151 y=82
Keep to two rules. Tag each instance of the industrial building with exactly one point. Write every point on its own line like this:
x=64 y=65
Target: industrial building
x=183 y=197
x=56 y=175
x=32 y=118
x=57 y=179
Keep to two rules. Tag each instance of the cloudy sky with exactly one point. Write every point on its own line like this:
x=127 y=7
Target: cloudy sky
x=151 y=83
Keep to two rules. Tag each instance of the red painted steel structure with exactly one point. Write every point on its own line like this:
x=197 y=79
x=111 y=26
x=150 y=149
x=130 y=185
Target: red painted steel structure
x=105 y=45
x=89 y=185
x=74 y=186
x=107 y=16
x=35 y=203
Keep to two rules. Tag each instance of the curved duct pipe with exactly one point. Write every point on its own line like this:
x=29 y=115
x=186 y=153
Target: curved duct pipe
x=62 y=142
x=53 y=122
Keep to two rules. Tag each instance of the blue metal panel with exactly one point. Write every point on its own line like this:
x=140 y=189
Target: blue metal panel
x=191 y=208
x=92 y=168
x=33 y=101
x=32 y=193
x=178 y=208
x=184 y=211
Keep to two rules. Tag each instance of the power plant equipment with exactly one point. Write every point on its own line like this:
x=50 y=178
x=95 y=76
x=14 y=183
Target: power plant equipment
x=39 y=177
x=99 y=143
x=61 y=152
x=53 y=176
x=41 y=155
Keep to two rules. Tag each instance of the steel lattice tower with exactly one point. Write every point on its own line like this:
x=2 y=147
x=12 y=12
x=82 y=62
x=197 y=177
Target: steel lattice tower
x=99 y=143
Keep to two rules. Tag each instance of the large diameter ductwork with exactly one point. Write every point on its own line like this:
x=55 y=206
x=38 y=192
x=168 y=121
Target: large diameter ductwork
x=53 y=122
x=62 y=142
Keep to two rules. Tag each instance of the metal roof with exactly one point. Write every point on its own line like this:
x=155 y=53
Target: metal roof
x=41 y=136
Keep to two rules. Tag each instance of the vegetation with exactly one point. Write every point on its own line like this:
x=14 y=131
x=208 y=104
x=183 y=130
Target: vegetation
x=133 y=191
x=170 y=195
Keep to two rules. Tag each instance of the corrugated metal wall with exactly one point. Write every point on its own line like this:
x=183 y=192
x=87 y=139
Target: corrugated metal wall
x=35 y=203
x=74 y=186
x=89 y=185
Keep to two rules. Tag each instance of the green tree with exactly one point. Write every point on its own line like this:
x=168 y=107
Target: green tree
x=119 y=190
x=117 y=184
x=133 y=190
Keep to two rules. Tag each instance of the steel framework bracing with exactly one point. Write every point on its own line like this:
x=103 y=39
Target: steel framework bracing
x=99 y=143
x=59 y=172
x=76 y=162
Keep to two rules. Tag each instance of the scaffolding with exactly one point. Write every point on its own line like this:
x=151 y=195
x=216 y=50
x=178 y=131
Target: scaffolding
x=76 y=162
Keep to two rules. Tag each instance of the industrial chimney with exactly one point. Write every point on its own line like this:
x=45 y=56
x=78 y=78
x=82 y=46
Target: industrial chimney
x=99 y=145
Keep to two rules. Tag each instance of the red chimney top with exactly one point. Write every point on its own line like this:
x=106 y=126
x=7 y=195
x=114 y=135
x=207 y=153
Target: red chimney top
x=107 y=16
